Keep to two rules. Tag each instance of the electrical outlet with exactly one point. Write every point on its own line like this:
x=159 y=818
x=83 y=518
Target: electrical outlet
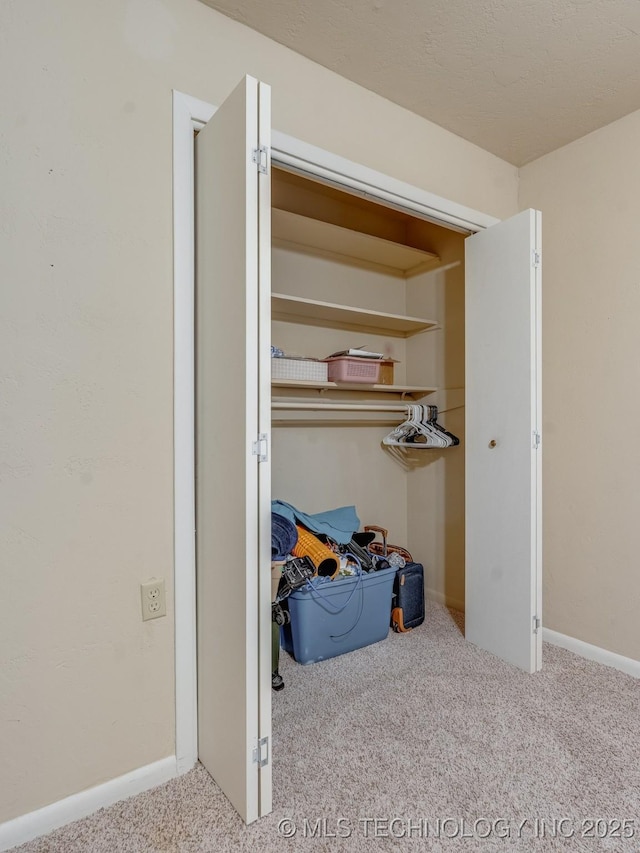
x=154 y=603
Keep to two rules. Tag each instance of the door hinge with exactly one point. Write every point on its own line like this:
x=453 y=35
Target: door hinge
x=260 y=754
x=537 y=258
x=537 y=624
x=535 y=437
x=260 y=156
x=260 y=448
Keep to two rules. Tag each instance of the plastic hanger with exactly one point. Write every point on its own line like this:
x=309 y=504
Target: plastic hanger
x=414 y=432
x=420 y=430
x=424 y=435
x=432 y=418
x=394 y=438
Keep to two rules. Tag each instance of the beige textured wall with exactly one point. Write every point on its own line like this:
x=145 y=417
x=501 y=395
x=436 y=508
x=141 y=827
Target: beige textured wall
x=589 y=194
x=86 y=349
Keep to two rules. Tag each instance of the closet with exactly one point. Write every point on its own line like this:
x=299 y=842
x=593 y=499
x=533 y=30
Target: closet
x=347 y=272
x=305 y=253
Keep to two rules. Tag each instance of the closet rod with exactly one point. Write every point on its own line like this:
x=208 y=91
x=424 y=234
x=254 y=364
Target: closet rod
x=339 y=407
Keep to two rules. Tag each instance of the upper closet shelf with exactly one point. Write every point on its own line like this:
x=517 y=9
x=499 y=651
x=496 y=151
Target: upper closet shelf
x=290 y=230
x=314 y=313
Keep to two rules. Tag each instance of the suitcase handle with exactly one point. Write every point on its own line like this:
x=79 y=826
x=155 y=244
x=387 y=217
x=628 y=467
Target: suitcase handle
x=377 y=529
x=386 y=549
x=383 y=532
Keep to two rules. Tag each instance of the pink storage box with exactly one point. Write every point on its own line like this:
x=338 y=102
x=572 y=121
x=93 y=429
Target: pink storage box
x=343 y=368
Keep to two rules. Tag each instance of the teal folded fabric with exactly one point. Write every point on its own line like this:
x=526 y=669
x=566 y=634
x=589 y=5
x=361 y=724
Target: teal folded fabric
x=340 y=524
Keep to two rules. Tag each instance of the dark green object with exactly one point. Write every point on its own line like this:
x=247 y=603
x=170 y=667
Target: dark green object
x=277 y=682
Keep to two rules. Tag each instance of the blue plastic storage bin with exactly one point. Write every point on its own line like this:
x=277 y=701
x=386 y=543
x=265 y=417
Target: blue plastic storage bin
x=338 y=616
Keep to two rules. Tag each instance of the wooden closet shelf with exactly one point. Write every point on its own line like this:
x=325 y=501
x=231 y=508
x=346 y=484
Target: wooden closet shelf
x=295 y=309
x=293 y=231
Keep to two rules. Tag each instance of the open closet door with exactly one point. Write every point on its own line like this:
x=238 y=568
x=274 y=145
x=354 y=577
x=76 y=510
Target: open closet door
x=503 y=482
x=233 y=539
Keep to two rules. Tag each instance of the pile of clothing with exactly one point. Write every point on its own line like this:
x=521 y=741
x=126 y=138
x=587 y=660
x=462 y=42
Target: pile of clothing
x=328 y=539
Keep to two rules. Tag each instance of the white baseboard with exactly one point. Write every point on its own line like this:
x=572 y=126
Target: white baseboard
x=441 y=598
x=31 y=825
x=595 y=653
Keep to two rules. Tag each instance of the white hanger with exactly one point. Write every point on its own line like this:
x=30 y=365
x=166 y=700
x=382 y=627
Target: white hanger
x=420 y=430
x=414 y=432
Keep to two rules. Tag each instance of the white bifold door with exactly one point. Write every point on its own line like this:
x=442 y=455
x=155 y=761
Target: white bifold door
x=503 y=572
x=233 y=521
x=233 y=412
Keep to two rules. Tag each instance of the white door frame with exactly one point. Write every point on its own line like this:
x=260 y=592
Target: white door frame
x=189 y=115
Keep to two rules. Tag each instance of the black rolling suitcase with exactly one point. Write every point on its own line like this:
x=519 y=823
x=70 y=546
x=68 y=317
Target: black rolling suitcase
x=407 y=608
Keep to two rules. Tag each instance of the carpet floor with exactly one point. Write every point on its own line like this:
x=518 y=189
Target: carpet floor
x=422 y=741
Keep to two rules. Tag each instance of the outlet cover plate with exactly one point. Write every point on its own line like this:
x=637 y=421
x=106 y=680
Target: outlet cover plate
x=153 y=600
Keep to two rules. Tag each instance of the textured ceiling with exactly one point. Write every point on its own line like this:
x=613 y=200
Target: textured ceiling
x=517 y=77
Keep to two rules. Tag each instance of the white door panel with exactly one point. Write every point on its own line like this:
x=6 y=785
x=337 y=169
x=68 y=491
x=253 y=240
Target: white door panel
x=264 y=428
x=231 y=195
x=503 y=571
